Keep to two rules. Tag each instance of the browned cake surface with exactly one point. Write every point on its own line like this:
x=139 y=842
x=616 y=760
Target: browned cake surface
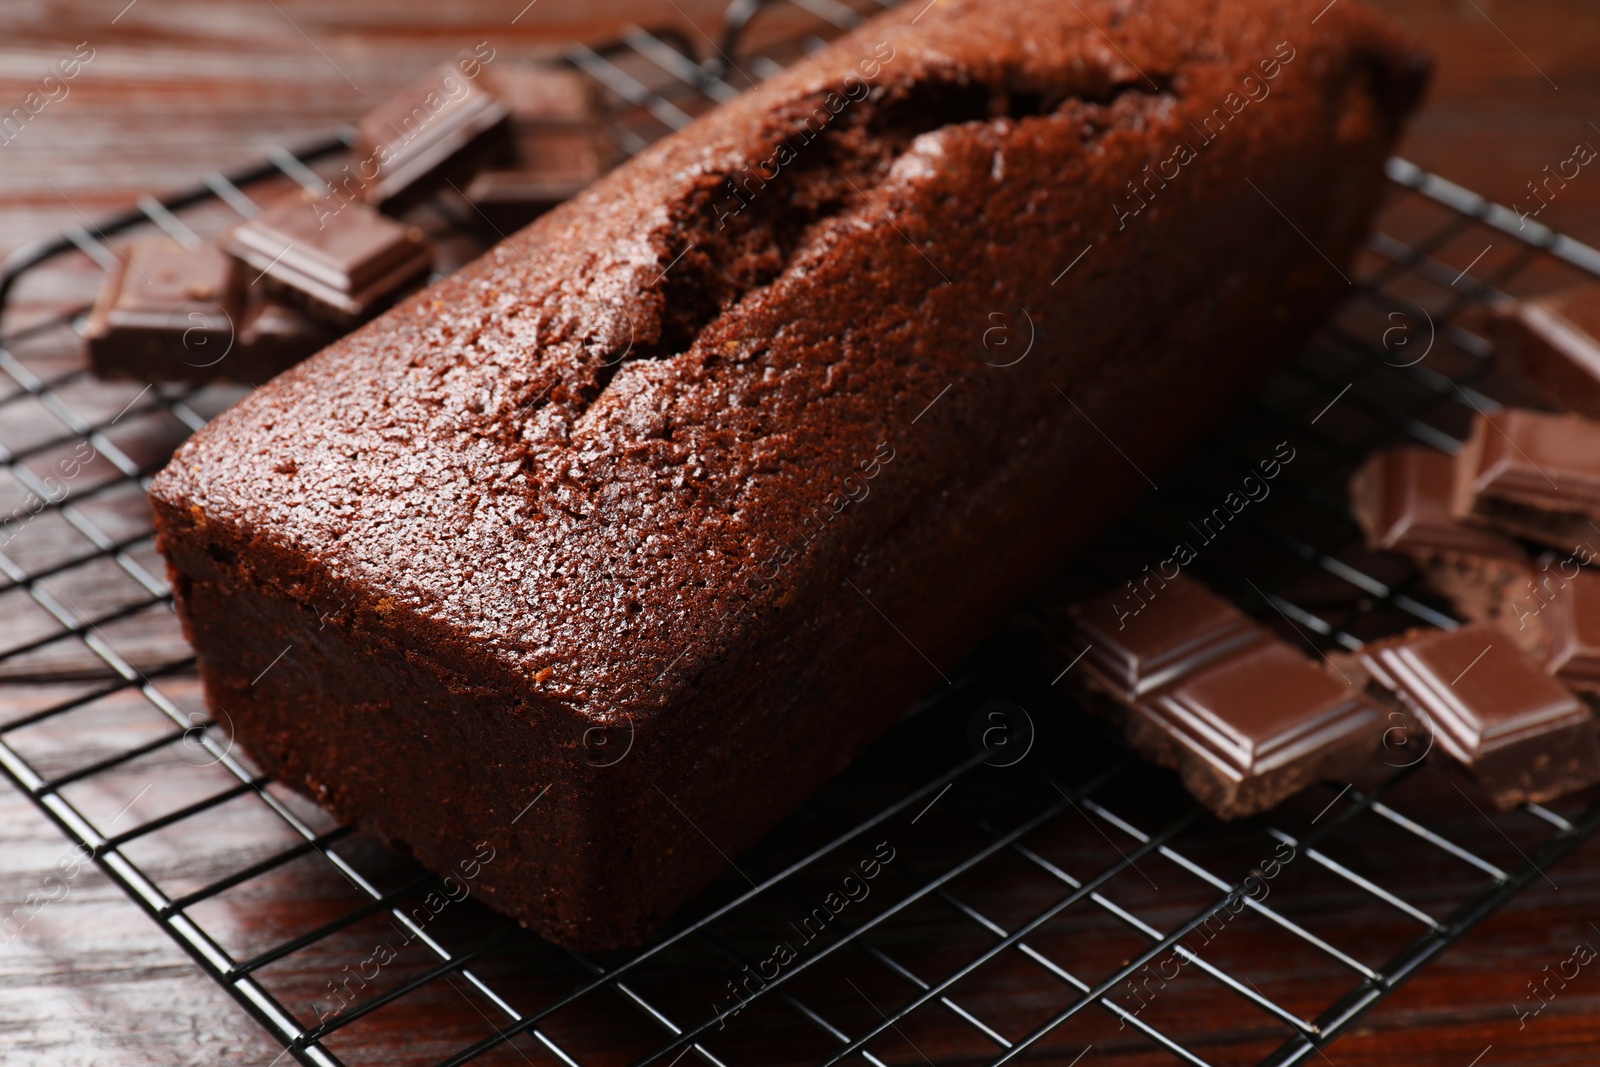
x=734 y=472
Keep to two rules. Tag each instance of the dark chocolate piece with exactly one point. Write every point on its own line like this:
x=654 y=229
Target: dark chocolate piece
x=1555 y=341
x=1135 y=646
x=1522 y=736
x=1534 y=475
x=165 y=313
x=1402 y=501
x=1198 y=686
x=439 y=129
x=1255 y=727
x=339 y=259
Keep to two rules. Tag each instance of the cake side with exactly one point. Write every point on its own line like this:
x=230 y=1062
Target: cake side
x=736 y=485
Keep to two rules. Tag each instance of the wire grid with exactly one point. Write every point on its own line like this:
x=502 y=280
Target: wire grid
x=1006 y=876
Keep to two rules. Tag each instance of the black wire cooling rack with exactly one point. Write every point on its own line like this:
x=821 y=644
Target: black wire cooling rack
x=1034 y=905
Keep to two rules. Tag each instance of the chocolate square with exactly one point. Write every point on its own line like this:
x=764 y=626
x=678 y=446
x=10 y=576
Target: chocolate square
x=339 y=259
x=438 y=129
x=1255 y=727
x=165 y=313
x=1135 y=646
x=1522 y=736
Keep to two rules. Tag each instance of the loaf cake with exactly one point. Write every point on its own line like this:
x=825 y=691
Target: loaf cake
x=610 y=548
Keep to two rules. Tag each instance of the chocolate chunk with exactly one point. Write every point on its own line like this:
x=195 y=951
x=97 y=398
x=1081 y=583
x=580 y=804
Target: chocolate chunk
x=1135 y=646
x=1197 y=686
x=439 y=129
x=1402 y=501
x=1533 y=475
x=1521 y=735
x=165 y=313
x=1255 y=727
x=1555 y=341
x=339 y=259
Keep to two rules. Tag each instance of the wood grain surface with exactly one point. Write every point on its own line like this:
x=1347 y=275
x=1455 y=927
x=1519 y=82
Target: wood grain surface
x=176 y=88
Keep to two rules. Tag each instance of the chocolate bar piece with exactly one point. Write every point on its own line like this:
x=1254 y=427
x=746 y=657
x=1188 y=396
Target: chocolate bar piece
x=1532 y=474
x=441 y=128
x=339 y=259
x=1134 y=645
x=1255 y=727
x=1197 y=686
x=165 y=312
x=1555 y=341
x=1521 y=735
x=1402 y=501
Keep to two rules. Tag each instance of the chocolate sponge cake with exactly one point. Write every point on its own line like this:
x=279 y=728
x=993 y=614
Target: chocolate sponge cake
x=610 y=548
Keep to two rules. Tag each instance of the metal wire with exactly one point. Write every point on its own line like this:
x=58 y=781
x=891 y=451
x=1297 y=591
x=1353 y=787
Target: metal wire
x=657 y=75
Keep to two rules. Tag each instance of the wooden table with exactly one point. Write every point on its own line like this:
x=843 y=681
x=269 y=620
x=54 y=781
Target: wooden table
x=179 y=87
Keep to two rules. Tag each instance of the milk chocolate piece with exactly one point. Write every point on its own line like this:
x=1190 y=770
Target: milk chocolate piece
x=165 y=312
x=339 y=259
x=441 y=128
x=1256 y=727
x=1199 y=687
x=1520 y=734
x=1136 y=643
x=1555 y=341
x=1402 y=501
x=1534 y=475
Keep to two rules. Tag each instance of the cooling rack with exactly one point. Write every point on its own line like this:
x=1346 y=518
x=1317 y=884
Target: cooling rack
x=1034 y=891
